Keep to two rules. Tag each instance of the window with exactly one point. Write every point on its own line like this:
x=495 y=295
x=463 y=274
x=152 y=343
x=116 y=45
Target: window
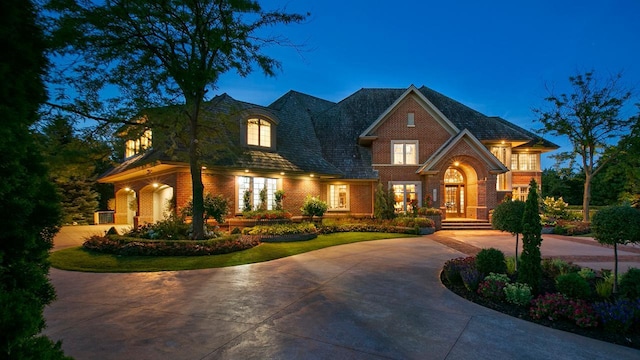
x=524 y=162
x=411 y=121
x=133 y=147
x=404 y=152
x=255 y=185
x=520 y=193
x=501 y=153
x=453 y=176
x=258 y=132
x=338 y=196
x=406 y=195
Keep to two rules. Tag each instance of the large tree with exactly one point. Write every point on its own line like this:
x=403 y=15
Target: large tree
x=589 y=117
x=30 y=212
x=157 y=53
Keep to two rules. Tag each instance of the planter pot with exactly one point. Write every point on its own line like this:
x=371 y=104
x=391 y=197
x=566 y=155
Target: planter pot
x=437 y=220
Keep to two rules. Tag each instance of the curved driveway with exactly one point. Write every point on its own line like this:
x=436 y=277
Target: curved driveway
x=371 y=300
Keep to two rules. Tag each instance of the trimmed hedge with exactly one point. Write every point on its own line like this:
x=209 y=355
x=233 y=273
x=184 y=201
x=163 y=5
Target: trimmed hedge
x=127 y=246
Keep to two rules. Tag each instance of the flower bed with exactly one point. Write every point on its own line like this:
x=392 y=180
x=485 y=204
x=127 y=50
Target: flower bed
x=128 y=246
x=592 y=312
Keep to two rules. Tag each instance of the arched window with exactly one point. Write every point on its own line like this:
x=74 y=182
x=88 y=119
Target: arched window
x=453 y=176
x=258 y=133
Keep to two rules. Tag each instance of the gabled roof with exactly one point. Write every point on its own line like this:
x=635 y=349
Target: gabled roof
x=494 y=165
x=422 y=100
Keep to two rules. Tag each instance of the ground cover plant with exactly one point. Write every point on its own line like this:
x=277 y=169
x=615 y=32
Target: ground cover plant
x=569 y=297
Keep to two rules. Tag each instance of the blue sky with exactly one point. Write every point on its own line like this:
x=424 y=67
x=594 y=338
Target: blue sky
x=494 y=56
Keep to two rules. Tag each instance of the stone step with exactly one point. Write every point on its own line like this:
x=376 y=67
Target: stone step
x=466 y=225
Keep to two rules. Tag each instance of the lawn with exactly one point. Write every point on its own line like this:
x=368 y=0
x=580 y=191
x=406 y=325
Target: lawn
x=78 y=259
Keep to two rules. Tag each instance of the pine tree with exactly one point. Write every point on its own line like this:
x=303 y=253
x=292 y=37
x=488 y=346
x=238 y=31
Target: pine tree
x=30 y=211
x=530 y=271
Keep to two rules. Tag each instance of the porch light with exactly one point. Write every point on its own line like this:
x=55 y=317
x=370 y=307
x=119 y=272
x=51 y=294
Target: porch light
x=127 y=189
x=457 y=163
x=502 y=142
x=246 y=170
x=155 y=185
x=281 y=172
x=311 y=175
x=204 y=168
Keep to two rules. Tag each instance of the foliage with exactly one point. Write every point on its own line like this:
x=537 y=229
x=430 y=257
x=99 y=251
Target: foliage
x=572 y=228
x=279 y=197
x=573 y=285
x=263 y=199
x=518 y=294
x=493 y=286
x=616 y=225
x=491 y=261
x=630 y=284
x=604 y=286
x=620 y=315
x=406 y=221
x=507 y=216
x=154 y=54
x=246 y=201
x=313 y=206
x=383 y=206
x=452 y=268
x=216 y=207
x=471 y=278
x=128 y=246
x=429 y=211
x=589 y=118
x=267 y=214
x=587 y=273
x=530 y=270
x=281 y=229
x=558 y=306
x=30 y=211
x=511 y=264
x=173 y=228
x=555 y=208
x=555 y=267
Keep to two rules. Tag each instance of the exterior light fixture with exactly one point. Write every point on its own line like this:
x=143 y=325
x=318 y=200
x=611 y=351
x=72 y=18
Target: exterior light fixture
x=204 y=168
x=127 y=189
x=155 y=185
x=457 y=163
x=281 y=172
x=312 y=175
x=502 y=142
x=246 y=170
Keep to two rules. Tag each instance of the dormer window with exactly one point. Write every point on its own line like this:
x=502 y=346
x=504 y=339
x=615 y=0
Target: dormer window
x=133 y=147
x=259 y=133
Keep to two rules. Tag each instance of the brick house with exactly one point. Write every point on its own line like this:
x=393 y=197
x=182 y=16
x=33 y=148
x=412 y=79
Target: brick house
x=417 y=142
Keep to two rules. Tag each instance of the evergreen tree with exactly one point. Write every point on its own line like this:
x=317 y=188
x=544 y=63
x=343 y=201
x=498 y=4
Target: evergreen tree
x=30 y=212
x=530 y=271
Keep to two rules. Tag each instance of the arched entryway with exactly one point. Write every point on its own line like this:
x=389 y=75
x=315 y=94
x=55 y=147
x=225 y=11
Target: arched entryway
x=126 y=206
x=454 y=193
x=155 y=203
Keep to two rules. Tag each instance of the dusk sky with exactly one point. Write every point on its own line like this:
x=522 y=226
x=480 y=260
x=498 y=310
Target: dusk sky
x=494 y=56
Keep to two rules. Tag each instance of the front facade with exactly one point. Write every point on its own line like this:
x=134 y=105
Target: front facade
x=427 y=148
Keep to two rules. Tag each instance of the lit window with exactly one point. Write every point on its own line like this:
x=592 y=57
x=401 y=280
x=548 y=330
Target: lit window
x=338 y=197
x=501 y=153
x=404 y=152
x=453 y=176
x=524 y=162
x=256 y=185
x=258 y=132
x=520 y=193
x=133 y=147
x=405 y=195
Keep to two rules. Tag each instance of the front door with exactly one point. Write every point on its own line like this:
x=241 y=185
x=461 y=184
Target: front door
x=454 y=200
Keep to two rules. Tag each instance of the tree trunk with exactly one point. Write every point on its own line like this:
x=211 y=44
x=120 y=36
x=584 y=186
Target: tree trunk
x=196 y=177
x=615 y=268
x=586 y=197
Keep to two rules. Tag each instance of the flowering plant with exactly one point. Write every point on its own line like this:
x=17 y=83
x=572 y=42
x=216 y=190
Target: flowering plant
x=618 y=316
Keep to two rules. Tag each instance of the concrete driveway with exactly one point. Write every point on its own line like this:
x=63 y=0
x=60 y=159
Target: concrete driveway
x=371 y=300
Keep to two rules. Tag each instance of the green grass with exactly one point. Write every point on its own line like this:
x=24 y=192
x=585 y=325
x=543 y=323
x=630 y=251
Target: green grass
x=78 y=259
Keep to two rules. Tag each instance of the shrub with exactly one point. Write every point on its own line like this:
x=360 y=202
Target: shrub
x=530 y=270
x=560 y=230
x=604 y=287
x=172 y=228
x=266 y=214
x=119 y=245
x=236 y=230
x=555 y=267
x=587 y=273
x=558 y=306
x=511 y=265
x=405 y=221
x=429 y=211
x=216 y=207
x=630 y=284
x=384 y=202
x=491 y=261
x=313 y=206
x=279 y=196
x=453 y=267
x=618 y=316
x=471 y=278
x=281 y=229
x=573 y=285
x=518 y=294
x=493 y=286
